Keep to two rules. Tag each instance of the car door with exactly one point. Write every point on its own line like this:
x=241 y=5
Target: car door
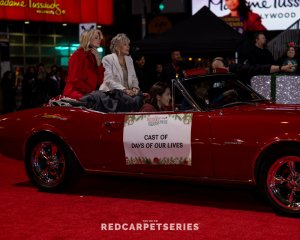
x=181 y=143
x=234 y=143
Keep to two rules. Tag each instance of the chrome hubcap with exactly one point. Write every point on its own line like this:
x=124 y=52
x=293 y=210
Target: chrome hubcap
x=284 y=182
x=48 y=163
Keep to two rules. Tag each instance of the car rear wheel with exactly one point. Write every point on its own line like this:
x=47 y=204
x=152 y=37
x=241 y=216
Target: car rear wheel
x=279 y=180
x=50 y=165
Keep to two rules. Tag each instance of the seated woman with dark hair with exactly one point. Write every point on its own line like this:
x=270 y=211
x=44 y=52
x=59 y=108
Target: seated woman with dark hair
x=160 y=96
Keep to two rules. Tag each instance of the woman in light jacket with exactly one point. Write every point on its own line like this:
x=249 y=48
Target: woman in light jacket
x=119 y=69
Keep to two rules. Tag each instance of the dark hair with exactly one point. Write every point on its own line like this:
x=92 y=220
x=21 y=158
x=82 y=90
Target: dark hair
x=157 y=89
x=296 y=52
x=138 y=57
x=244 y=9
x=7 y=73
x=174 y=50
x=256 y=35
x=55 y=68
x=29 y=68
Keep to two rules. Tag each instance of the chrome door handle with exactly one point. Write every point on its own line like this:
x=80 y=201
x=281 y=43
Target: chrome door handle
x=110 y=126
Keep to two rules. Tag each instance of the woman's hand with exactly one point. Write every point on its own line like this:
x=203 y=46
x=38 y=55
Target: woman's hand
x=135 y=91
x=288 y=68
x=97 y=56
x=132 y=92
x=128 y=92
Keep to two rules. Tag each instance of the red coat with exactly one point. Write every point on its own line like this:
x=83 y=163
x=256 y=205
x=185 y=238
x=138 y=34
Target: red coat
x=147 y=107
x=84 y=76
x=253 y=23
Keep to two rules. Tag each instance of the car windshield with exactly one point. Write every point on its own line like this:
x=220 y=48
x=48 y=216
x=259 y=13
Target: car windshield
x=219 y=91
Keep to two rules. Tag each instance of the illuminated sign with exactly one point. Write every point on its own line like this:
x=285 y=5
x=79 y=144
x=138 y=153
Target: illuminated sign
x=275 y=14
x=39 y=7
x=67 y=11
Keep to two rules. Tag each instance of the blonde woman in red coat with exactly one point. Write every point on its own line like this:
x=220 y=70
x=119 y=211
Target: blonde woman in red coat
x=85 y=73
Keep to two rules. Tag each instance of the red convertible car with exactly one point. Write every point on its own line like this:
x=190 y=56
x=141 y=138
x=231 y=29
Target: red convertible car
x=218 y=130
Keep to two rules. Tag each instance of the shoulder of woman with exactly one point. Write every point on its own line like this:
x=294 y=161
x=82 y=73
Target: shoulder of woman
x=129 y=59
x=108 y=57
x=147 y=107
x=77 y=56
x=254 y=22
x=78 y=52
x=253 y=15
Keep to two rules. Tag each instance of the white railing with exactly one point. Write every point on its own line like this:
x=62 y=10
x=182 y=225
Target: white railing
x=278 y=45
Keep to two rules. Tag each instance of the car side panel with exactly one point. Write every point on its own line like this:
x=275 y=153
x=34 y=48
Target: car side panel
x=240 y=136
x=114 y=154
x=233 y=148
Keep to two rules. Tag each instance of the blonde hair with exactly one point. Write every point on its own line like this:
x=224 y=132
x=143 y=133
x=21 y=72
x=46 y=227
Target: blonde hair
x=117 y=40
x=86 y=36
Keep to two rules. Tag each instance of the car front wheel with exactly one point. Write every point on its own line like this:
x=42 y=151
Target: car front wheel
x=280 y=182
x=50 y=165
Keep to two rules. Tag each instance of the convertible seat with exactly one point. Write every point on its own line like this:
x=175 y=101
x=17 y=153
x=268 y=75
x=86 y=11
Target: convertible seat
x=113 y=101
x=63 y=101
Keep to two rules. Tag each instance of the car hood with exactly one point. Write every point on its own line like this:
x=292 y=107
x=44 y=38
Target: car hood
x=262 y=123
x=266 y=110
x=261 y=109
x=280 y=107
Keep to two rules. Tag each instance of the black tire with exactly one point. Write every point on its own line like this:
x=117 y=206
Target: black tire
x=50 y=165
x=279 y=181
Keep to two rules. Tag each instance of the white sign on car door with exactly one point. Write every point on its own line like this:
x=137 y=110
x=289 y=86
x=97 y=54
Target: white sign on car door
x=158 y=139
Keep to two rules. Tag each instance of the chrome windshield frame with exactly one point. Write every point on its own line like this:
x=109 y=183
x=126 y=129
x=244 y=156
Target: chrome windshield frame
x=176 y=83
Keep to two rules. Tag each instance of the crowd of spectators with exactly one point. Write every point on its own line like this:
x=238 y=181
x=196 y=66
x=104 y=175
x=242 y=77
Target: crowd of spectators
x=32 y=88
